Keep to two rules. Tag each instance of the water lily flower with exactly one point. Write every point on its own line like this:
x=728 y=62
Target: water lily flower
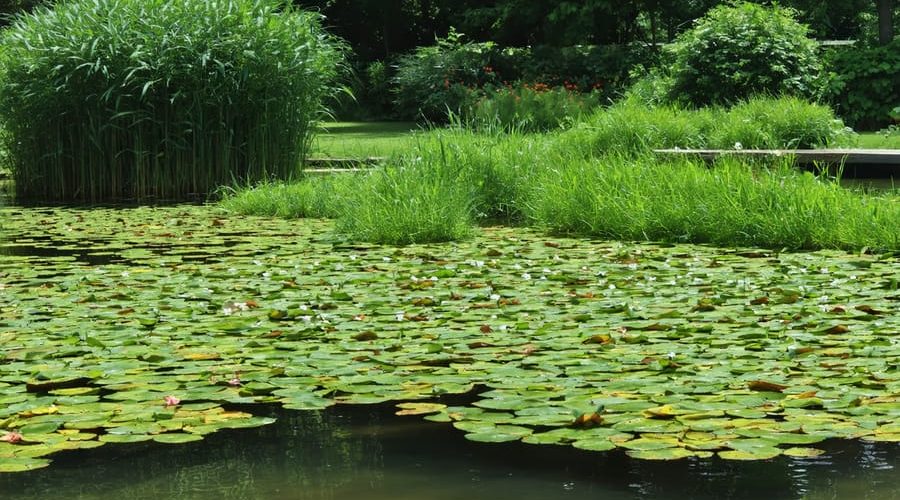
x=236 y=381
x=11 y=437
x=171 y=401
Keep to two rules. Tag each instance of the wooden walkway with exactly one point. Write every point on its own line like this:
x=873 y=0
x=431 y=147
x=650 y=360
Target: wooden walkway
x=852 y=163
x=801 y=156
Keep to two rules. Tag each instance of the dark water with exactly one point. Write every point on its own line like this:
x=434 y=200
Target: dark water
x=368 y=453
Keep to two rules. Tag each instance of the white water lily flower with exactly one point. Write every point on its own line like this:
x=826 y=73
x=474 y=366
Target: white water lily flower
x=526 y=276
x=495 y=296
x=400 y=316
x=230 y=307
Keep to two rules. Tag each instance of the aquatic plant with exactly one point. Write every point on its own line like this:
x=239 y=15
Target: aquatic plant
x=111 y=99
x=663 y=351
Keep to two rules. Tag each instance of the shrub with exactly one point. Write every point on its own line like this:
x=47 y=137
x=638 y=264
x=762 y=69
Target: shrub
x=739 y=50
x=109 y=99
x=367 y=94
x=433 y=81
x=865 y=87
x=531 y=108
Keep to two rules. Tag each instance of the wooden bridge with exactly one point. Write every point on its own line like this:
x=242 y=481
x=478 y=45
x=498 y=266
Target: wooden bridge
x=856 y=162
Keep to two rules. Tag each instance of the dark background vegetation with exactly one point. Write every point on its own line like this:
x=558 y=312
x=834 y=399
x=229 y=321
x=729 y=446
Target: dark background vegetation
x=623 y=34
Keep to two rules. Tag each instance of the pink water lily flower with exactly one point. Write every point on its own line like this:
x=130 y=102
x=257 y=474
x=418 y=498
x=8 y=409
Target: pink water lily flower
x=11 y=437
x=171 y=401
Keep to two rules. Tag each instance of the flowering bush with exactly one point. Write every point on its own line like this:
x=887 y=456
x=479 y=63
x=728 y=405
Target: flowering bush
x=437 y=81
x=529 y=107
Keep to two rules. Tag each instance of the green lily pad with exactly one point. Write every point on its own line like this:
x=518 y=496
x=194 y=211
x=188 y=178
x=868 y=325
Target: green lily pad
x=803 y=452
x=661 y=454
x=594 y=444
x=22 y=464
x=750 y=454
x=177 y=438
x=124 y=438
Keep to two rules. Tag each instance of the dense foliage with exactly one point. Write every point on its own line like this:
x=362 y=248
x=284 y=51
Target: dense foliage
x=379 y=30
x=438 y=79
x=132 y=99
x=528 y=108
x=866 y=84
x=744 y=49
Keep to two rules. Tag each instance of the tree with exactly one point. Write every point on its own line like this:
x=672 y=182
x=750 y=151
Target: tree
x=885 y=21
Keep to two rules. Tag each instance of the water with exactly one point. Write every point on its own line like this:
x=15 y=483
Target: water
x=368 y=453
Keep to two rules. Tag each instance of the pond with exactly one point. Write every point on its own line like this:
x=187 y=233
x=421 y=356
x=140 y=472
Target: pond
x=360 y=452
x=184 y=352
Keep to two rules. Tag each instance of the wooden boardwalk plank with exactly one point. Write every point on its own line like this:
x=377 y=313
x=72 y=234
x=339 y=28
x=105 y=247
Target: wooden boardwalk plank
x=801 y=156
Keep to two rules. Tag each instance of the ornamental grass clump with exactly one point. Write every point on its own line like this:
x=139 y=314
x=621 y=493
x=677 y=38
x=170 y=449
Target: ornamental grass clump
x=409 y=201
x=111 y=99
x=731 y=204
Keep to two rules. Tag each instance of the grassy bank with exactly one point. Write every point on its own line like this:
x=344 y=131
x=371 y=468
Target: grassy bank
x=454 y=179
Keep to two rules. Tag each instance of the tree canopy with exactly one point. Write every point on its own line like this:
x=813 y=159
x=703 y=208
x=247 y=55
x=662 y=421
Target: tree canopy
x=379 y=29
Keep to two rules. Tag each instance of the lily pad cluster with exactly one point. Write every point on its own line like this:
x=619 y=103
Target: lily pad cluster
x=167 y=324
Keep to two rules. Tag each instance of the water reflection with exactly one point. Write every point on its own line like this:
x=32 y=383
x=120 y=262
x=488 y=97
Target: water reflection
x=367 y=453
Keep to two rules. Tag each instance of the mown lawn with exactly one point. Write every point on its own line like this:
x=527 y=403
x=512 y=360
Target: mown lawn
x=362 y=139
x=875 y=140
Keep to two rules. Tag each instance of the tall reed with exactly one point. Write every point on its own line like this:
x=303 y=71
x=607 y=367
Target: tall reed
x=107 y=99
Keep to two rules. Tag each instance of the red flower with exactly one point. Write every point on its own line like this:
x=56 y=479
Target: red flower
x=171 y=401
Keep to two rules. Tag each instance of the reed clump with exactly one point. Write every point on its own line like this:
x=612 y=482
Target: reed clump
x=136 y=99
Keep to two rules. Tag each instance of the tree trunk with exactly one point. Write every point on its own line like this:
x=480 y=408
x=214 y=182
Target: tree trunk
x=885 y=21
